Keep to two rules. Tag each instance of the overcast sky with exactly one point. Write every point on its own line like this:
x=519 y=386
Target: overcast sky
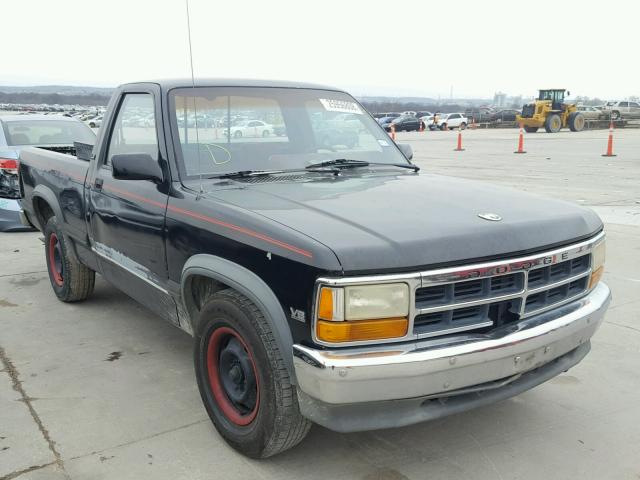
x=413 y=47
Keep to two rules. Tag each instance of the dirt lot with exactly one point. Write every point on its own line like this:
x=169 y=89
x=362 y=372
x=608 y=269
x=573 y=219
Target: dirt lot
x=104 y=390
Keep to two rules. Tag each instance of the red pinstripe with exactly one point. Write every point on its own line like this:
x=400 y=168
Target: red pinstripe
x=215 y=221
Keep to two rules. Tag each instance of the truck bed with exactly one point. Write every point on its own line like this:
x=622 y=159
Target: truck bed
x=47 y=173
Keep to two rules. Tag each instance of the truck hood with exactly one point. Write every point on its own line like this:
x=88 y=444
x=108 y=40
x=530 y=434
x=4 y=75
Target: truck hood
x=379 y=221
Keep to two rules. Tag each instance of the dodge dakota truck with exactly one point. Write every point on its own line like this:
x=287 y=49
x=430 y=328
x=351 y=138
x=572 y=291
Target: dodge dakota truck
x=323 y=280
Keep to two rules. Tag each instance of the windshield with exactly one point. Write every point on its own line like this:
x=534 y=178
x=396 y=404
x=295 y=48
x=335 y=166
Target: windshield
x=281 y=128
x=47 y=132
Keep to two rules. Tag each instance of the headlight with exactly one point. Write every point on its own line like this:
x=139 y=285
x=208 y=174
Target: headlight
x=365 y=312
x=597 y=263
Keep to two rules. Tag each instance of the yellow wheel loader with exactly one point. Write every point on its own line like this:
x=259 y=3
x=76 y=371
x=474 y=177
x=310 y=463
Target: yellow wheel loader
x=550 y=111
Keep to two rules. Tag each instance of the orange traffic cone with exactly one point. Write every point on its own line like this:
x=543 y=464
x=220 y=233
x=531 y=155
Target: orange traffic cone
x=459 y=146
x=393 y=132
x=521 y=141
x=610 y=143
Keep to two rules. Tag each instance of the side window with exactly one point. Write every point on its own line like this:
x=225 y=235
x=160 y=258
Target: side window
x=634 y=104
x=624 y=104
x=134 y=130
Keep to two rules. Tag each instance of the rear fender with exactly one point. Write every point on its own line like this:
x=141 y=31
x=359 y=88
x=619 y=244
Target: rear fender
x=45 y=193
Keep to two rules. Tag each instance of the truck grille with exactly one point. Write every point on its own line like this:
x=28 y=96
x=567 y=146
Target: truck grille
x=478 y=298
x=498 y=297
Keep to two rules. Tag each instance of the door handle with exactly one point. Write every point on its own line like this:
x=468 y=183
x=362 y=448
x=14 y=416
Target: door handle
x=98 y=184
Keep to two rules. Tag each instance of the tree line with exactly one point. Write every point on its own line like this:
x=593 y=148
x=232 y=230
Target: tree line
x=29 y=98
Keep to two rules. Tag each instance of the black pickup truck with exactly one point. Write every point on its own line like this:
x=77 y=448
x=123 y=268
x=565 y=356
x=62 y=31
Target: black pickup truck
x=323 y=280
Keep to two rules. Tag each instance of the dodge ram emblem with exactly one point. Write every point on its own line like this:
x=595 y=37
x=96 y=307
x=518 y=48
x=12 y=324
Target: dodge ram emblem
x=492 y=217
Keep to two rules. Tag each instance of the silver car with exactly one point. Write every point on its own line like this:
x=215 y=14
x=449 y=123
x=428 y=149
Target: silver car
x=619 y=110
x=592 y=113
x=55 y=133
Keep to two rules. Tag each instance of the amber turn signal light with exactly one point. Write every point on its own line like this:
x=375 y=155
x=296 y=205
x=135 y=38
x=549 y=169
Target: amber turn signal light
x=356 y=330
x=596 y=276
x=325 y=306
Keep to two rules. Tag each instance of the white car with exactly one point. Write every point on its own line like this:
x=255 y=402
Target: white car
x=452 y=120
x=95 y=122
x=429 y=121
x=621 y=109
x=251 y=128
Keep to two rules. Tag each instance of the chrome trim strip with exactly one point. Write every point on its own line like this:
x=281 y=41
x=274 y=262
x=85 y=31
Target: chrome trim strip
x=471 y=303
x=531 y=291
x=131 y=271
x=447 y=331
x=449 y=275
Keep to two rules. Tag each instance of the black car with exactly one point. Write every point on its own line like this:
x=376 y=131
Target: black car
x=507 y=115
x=405 y=123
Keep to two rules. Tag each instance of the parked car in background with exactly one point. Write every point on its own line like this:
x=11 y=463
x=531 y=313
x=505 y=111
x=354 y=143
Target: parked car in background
x=385 y=122
x=592 y=113
x=423 y=114
x=389 y=115
x=406 y=123
x=95 y=122
x=617 y=110
x=507 y=115
x=409 y=113
x=480 y=115
x=452 y=120
x=250 y=128
x=54 y=133
x=430 y=121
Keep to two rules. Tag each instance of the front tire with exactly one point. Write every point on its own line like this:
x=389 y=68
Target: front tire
x=576 y=122
x=243 y=381
x=71 y=281
x=553 y=123
x=530 y=129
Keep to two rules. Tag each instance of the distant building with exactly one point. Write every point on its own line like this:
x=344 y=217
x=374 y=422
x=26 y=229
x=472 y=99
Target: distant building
x=499 y=99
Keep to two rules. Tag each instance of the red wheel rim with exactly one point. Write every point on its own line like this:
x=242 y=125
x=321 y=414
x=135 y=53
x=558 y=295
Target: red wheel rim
x=219 y=380
x=55 y=259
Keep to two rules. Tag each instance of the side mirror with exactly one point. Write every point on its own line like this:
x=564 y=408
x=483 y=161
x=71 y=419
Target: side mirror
x=136 y=166
x=406 y=150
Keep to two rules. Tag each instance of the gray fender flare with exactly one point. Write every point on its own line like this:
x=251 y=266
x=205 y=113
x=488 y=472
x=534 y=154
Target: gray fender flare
x=251 y=286
x=44 y=192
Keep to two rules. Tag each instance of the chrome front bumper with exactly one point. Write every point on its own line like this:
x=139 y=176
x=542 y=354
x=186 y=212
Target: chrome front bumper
x=439 y=368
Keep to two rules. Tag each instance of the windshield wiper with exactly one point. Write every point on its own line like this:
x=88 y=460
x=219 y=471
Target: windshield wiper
x=347 y=163
x=241 y=174
x=257 y=173
x=339 y=163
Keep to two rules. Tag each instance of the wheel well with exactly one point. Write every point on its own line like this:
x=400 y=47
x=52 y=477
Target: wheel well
x=198 y=289
x=43 y=211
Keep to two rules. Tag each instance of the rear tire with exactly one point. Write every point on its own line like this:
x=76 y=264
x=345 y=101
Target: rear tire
x=463 y=126
x=530 y=129
x=71 y=281
x=553 y=123
x=231 y=326
x=615 y=115
x=576 y=122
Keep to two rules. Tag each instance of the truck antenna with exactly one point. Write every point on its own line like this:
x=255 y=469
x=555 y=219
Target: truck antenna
x=195 y=110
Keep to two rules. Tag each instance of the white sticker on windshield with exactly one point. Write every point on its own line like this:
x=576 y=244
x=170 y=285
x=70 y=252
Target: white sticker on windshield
x=384 y=143
x=340 y=106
